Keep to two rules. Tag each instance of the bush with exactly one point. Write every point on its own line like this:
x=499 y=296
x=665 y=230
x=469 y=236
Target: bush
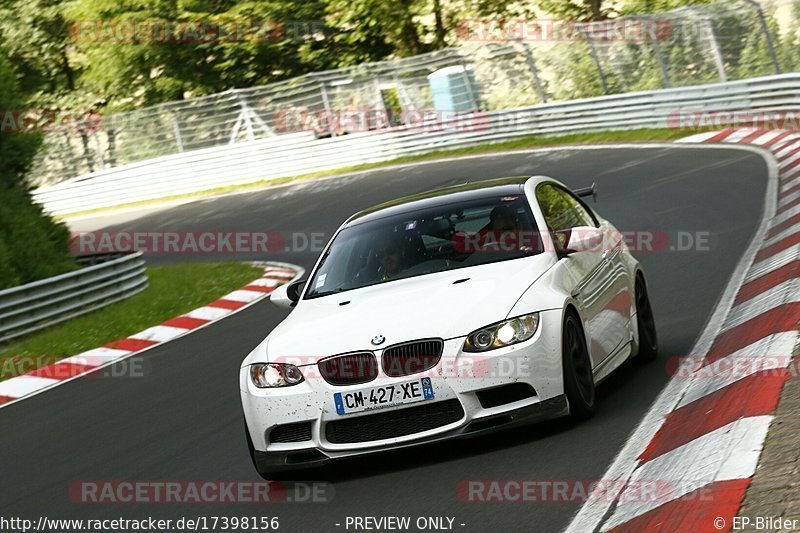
x=32 y=245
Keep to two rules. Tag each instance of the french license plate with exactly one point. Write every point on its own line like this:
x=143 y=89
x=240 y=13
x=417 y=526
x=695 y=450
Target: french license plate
x=384 y=396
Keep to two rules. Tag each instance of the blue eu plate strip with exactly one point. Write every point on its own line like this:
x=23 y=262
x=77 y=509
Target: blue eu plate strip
x=337 y=399
x=427 y=388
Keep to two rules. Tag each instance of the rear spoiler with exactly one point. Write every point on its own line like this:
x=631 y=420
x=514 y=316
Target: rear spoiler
x=587 y=191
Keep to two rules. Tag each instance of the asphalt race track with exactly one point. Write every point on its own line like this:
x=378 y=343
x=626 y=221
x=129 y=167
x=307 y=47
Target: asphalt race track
x=183 y=421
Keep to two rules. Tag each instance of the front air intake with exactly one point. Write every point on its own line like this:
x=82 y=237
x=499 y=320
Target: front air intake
x=411 y=357
x=349 y=369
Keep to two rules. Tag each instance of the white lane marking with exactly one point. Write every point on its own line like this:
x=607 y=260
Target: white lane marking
x=788 y=198
x=267 y=282
x=96 y=357
x=791 y=184
x=739 y=134
x=766 y=137
x=777 y=296
x=787 y=145
x=730 y=452
x=765 y=266
x=785 y=215
x=278 y=273
x=209 y=313
x=592 y=513
x=697 y=138
x=791 y=160
x=23 y=385
x=769 y=353
x=243 y=296
x=788 y=232
x=159 y=333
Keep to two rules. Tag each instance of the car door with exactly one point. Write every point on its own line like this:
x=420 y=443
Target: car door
x=601 y=285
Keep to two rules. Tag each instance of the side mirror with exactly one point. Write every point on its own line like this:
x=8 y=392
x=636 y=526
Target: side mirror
x=587 y=191
x=287 y=295
x=583 y=239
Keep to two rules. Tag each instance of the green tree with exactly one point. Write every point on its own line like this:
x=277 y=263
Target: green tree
x=36 y=43
x=789 y=46
x=577 y=10
x=639 y=7
x=755 y=59
x=32 y=245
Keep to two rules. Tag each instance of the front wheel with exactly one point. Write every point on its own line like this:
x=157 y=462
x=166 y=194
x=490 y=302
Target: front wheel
x=578 y=378
x=646 y=323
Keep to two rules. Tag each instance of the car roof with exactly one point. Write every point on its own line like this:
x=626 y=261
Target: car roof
x=441 y=197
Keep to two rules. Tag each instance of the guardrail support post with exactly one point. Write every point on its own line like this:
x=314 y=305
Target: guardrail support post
x=662 y=62
x=468 y=85
x=325 y=102
x=767 y=37
x=176 y=129
x=534 y=72
x=595 y=58
x=712 y=39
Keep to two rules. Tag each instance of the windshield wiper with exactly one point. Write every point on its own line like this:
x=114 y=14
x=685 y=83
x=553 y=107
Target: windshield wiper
x=328 y=293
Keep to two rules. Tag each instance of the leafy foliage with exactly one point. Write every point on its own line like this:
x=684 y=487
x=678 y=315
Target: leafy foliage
x=32 y=245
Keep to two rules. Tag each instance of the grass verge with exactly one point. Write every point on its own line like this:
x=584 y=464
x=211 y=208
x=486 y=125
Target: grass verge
x=173 y=290
x=606 y=137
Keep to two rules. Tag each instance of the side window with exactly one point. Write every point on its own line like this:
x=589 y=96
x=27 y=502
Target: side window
x=561 y=210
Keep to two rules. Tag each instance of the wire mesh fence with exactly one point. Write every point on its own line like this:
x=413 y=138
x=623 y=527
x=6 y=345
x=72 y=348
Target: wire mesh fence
x=497 y=67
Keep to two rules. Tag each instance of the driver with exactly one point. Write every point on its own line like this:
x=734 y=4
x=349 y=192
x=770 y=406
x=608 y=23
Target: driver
x=384 y=262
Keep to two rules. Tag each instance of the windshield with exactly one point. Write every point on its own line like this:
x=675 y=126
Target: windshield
x=456 y=235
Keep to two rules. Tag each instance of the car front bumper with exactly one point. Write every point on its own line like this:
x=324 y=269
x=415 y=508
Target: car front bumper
x=458 y=376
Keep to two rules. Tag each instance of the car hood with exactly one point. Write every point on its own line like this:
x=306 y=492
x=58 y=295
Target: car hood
x=432 y=305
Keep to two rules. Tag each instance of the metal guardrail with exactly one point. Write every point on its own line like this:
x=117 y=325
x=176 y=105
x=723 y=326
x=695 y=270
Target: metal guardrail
x=301 y=153
x=43 y=303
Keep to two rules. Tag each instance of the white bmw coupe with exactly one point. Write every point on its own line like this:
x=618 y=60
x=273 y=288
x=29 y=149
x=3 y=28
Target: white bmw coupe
x=446 y=314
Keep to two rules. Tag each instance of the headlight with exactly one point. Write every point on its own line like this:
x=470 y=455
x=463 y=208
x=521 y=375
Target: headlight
x=504 y=333
x=270 y=375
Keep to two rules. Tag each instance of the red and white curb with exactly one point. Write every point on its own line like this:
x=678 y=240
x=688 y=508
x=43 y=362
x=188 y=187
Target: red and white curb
x=21 y=387
x=700 y=443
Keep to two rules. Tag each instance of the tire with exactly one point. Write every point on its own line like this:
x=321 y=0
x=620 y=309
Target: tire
x=646 y=324
x=578 y=378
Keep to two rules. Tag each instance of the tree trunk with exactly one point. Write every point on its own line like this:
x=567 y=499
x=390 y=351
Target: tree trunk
x=409 y=36
x=440 y=29
x=69 y=74
x=596 y=11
